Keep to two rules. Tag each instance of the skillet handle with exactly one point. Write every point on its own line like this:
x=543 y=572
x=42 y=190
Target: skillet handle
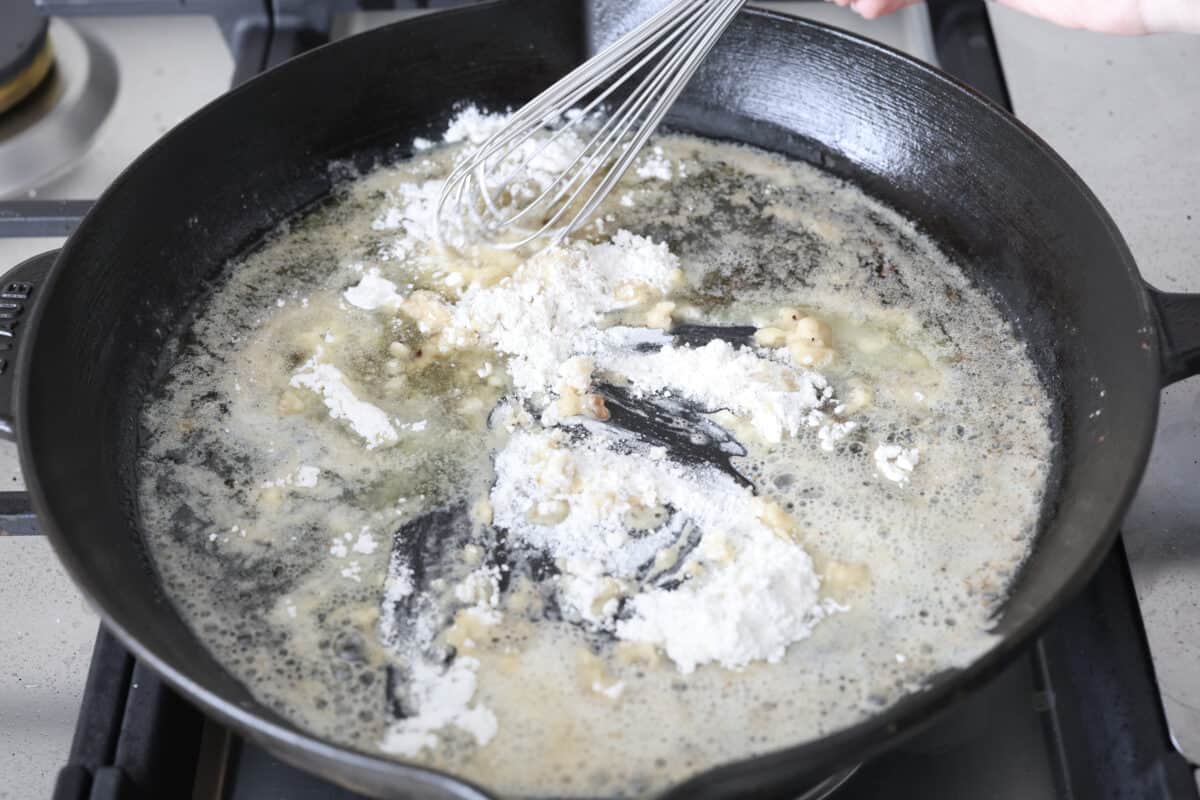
x=1179 y=330
x=18 y=294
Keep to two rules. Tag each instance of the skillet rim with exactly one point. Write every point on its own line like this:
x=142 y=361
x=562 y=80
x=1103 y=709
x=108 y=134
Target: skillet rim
x=865 y=738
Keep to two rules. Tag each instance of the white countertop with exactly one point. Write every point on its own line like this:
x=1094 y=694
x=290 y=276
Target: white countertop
x=45 y=646
x=1124 y=112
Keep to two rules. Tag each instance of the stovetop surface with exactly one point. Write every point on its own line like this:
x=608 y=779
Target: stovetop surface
x=1027 y=729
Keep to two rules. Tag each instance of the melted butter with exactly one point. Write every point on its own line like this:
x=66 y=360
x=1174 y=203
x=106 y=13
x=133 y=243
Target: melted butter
x=919 y=357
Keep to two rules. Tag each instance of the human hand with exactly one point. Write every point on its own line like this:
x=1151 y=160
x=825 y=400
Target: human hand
x=1103 y=16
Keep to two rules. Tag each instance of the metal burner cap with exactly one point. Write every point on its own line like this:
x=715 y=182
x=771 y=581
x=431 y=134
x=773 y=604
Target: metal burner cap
x=48 y=133
x=25 y=57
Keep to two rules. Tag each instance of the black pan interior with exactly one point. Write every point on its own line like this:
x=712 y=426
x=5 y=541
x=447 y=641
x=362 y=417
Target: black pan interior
x=1020 y=221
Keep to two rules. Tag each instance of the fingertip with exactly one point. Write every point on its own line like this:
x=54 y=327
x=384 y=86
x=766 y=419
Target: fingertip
x=874 y=9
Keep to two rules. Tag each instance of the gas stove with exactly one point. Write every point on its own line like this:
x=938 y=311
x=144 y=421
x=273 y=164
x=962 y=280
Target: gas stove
x=1104 y=704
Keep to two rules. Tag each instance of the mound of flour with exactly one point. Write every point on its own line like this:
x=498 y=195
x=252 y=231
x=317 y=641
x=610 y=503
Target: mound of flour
x=552 y=307
x=748 y=589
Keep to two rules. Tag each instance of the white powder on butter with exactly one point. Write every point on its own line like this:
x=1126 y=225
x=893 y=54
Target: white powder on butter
x=539 y=474
x=305 y=477
x=366 y=420
x=473 y=125
x=776 y=398
x=592 y=594
x=373 y=292
x=748 y=591
x=527 y=171
x=654 y=165
x=338 y=548
x=441 y=697
x=481 y=589
x=896 y=463
x=549 y=309
x=397 y=586
x=746 y=599
x=577 y=500
x=365 y=543
x=748 y=610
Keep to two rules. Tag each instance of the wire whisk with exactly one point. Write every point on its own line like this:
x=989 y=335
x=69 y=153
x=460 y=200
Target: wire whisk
x=547 y=170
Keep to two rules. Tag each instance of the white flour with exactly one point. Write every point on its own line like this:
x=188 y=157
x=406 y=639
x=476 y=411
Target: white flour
x=305 y=477
x=751 y=590
x=896 y=463
x=366 y=420
x=526 y=171
x=373 y=292
x=777 y=398
x=654 y=166
x=750 y=609
x=442 y=698
x=550 y=308
x=472 y=125
x=397 y=586
x=575 y=500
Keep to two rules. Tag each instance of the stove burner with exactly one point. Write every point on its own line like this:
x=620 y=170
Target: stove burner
x=46 y=132
x=25 y=55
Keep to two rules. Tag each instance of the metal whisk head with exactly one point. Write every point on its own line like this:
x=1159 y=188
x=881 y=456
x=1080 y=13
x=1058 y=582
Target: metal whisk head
x=520 y=186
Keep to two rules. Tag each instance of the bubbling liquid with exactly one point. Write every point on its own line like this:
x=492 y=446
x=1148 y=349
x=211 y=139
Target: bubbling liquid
x=278 y=525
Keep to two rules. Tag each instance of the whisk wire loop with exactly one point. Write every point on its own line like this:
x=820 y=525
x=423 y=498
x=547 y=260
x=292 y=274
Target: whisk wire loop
x=518 y=187
x=604 y=133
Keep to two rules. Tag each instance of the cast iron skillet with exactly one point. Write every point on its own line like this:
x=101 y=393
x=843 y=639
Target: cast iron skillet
x=992 y=193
